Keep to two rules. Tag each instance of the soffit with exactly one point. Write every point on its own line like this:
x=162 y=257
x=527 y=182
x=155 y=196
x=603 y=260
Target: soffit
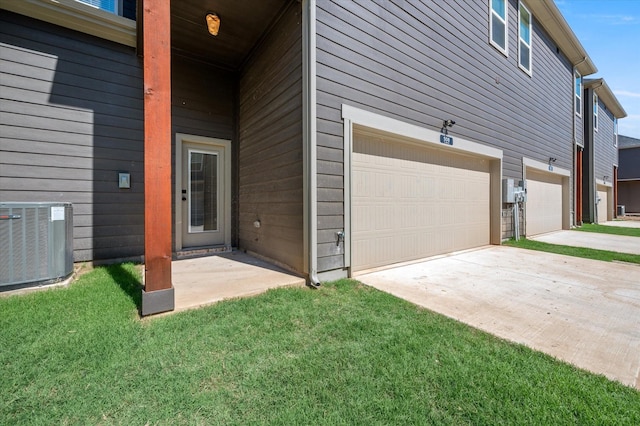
x=242 y=26
x=549 y=16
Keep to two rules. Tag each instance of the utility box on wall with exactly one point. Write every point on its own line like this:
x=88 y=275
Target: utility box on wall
x=508 y=194
x=36 y=243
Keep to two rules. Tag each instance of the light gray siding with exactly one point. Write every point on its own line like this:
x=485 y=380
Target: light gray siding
x=71 y=118
x=270 y=153
x=422 y=62
x=606 y=154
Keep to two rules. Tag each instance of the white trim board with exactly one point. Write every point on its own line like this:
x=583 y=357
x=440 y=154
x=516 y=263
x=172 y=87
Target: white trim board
x=78 y=16
x=177 y=173
x=422 y=134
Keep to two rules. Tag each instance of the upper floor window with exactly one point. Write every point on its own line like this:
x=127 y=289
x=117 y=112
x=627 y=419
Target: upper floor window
x=524 y=35
x=595 y=112
x=498 y=25
x=615 y=131
x=578 y=87
x=113 y=6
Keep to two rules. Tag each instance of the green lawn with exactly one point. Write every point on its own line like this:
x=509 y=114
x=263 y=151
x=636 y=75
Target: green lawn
x=614 y=230
x=587 y=253
x=344 y=354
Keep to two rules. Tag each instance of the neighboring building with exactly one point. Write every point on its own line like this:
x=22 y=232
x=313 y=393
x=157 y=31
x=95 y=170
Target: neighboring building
x=629 y=173
x=320 y=135
x=598 y=162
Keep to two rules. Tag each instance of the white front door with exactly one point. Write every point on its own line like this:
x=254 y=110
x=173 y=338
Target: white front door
x=203 y=194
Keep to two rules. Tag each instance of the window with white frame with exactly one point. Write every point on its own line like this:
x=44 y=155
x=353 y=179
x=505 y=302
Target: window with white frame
x=578 y=87
x=595 y=112
x=615 y=131
x=498 y=25
x=113 y=6
x=524 y=35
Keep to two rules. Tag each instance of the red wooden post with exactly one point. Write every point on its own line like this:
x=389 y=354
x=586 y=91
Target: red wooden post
x=158 y=293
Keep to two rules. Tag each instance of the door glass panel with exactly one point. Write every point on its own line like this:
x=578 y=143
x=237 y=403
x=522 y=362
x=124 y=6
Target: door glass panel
x=203 y=188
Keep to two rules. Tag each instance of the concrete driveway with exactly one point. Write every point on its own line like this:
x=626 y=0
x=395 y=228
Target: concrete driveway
x=582 y=311
x=619 y=243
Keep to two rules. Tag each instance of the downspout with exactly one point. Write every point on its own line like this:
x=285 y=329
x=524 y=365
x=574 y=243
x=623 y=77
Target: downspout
x=310 y=140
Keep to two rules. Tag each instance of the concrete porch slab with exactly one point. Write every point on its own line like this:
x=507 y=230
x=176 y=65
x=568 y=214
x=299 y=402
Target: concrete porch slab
x=206 y=280
x=619 y=243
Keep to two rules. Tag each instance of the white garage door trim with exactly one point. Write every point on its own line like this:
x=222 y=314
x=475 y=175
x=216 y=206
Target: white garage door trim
x=533 y=168
x=353 y=116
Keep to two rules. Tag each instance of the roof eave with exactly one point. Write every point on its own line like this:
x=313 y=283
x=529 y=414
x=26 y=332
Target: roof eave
x=600 y=86
x=549 y=16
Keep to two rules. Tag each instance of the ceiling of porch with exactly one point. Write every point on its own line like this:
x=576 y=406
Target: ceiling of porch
x=242 y=26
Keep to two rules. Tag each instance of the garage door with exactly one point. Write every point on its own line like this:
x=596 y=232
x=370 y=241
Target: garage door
x=544 y=203
x=602 y=204
x=411 y=202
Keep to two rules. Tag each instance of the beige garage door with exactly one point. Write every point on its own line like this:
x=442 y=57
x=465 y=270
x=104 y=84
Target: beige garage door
x=411 y=202
x=602 y=204
x=544 y=203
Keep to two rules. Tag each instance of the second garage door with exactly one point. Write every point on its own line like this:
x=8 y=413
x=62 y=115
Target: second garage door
x=544 y=202
x=411 y=201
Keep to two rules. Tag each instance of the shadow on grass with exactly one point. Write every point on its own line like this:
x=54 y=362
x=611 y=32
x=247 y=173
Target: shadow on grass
x=128 y=282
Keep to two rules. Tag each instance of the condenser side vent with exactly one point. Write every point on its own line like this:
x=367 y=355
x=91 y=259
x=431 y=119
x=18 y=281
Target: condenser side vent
x=36 y=243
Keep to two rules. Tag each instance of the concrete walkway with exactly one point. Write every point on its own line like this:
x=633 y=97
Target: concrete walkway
x=623 y=223
x=206 y=280
x=619 y=243
x=582 y=311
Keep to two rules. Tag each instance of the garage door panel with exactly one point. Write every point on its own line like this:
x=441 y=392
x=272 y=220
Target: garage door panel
x=412 y=202
x=602 y=204
x=544 y=203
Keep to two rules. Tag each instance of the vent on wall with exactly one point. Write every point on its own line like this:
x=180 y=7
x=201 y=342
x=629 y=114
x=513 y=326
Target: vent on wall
x=36 y=243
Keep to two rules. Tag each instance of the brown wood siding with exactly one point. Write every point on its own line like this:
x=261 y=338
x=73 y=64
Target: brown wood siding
x=70 y=120
x=270 y=154
x=202 y=104
x=422 y=62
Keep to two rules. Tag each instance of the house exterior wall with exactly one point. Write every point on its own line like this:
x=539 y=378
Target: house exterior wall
x=425 y=62
x=203 y=104
x=270 y=145
x=629 y=173
x=605 y=152
x=71 y=119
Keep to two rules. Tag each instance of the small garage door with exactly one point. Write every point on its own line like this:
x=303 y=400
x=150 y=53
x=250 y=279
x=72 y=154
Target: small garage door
x=602 y=204
x=411 y=201
x=544 y=202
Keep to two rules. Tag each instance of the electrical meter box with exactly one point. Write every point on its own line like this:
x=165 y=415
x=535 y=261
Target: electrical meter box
x=508 y=194
x=512 y=193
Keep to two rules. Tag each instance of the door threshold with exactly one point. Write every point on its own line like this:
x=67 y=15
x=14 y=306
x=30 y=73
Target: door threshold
x=192 y=252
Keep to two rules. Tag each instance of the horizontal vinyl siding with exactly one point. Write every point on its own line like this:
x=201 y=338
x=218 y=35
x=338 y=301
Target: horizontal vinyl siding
x=606 y=154
x=71 y=114
x=270 y=154
x=422 y=62
x=202 y=104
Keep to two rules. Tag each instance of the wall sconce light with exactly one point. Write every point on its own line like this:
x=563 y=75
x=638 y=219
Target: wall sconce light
x=445 y=125
x=605 y=178
x=213 y=23
x=551 y=160
x=124 y=180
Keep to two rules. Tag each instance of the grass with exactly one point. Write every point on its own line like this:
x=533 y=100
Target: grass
x=587 y=253
x=344 y=354
x=613 y=230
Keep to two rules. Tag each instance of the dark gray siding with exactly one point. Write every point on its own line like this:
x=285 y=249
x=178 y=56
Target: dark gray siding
x=71 y=119
x=629 y=165
x=202 y=104
x=422 y=62
x=270 y=155
x=606 y=154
